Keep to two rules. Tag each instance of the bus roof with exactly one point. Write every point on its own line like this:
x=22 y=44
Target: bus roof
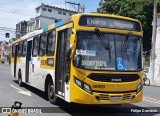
x=113 y=16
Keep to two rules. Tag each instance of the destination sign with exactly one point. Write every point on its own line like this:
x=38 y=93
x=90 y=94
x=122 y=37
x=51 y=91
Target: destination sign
x=107 y=22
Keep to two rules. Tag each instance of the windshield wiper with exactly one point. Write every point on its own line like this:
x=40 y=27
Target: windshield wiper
x=102 y=40
x=105 y=44
x=125 y=44
x=126 y=41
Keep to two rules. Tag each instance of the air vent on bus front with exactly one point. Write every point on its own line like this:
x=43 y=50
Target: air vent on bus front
x=113 y=77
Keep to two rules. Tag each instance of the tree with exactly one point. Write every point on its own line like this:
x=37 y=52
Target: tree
x=141 y=10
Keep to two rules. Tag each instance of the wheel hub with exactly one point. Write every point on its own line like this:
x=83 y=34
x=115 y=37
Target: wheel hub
x=51 y=91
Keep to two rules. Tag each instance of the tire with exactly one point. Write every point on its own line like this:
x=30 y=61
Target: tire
x=51 y=96
x=118 y=105
x=20 y=79
x=147 y=82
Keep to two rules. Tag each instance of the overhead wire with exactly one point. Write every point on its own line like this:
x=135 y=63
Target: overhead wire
x=16 y=12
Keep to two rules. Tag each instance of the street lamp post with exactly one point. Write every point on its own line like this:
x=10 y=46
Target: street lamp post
x=152 y=58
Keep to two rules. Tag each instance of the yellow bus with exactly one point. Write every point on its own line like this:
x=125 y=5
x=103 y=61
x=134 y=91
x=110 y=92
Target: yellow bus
x=87 y=59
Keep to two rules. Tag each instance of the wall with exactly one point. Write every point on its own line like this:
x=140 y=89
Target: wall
x=54 y=14
x=47 y=18
x=45 y=22
x=157 y=56
x=158 y=22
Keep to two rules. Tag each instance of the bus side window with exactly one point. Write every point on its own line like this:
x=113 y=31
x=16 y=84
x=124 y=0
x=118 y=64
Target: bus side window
x=42 y=46
x=20 y=49
x=35 y=46
x=50 y=43
x=13 y=51
x=24 y=51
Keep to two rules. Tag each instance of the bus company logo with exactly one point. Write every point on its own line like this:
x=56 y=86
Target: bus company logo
x=6 y=110
x=116 y=80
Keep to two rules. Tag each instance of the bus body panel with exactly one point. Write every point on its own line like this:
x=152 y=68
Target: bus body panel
x=39 y=74
x=35 y=63
x=106 y=89
x=12 y=68
x=77 y=95
x=23 y=67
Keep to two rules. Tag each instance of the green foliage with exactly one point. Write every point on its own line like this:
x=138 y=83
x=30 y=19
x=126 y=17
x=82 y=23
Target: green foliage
x=2 y=61
x=147 y=62
x=141 y=10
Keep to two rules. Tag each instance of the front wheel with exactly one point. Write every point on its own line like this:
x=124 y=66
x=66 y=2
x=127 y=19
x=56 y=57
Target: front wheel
x=51 y=95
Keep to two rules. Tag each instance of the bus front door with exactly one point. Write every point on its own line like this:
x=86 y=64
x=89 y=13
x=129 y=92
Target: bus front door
x=15 y=59
x=28 y=60
x=62 y=65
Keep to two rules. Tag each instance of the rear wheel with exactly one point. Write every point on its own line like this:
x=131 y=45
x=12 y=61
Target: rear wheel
x=51 y=95
x=20 y=79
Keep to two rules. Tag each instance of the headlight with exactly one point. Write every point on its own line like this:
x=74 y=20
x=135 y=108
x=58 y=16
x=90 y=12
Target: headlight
x=78 y=82
x=83 y=85
x=139 y=87
x=87 y=88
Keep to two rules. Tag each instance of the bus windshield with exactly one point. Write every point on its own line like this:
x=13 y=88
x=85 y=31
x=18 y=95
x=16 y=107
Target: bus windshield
x=91 y=54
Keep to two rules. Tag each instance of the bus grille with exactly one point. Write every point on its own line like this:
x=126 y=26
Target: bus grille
x=113 y=77
x=126 y=96
x=106 y=97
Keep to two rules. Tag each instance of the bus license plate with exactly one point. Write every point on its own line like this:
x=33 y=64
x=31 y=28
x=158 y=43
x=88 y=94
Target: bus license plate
x=116 y=98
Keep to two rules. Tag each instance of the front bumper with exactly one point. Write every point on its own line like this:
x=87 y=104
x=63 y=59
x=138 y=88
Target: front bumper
x=82 y=97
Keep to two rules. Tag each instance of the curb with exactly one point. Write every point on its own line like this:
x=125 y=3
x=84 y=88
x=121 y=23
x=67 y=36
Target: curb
x=154 y=85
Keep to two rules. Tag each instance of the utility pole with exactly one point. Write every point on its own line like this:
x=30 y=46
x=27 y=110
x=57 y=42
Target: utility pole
x=152 y=58
x=78 y=4
x=83 y=8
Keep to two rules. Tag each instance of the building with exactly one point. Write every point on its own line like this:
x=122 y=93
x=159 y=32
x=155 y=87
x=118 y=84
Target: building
x=47 y=15
x=21 y=29
x=31 y=25
x=4 y=50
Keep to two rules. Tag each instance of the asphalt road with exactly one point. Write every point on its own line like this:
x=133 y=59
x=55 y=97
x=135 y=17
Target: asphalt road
x=31 y=97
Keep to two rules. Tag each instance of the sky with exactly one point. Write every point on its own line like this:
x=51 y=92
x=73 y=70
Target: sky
x=14 y=11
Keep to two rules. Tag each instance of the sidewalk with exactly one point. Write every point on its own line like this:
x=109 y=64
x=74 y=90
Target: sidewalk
x=157 y=84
